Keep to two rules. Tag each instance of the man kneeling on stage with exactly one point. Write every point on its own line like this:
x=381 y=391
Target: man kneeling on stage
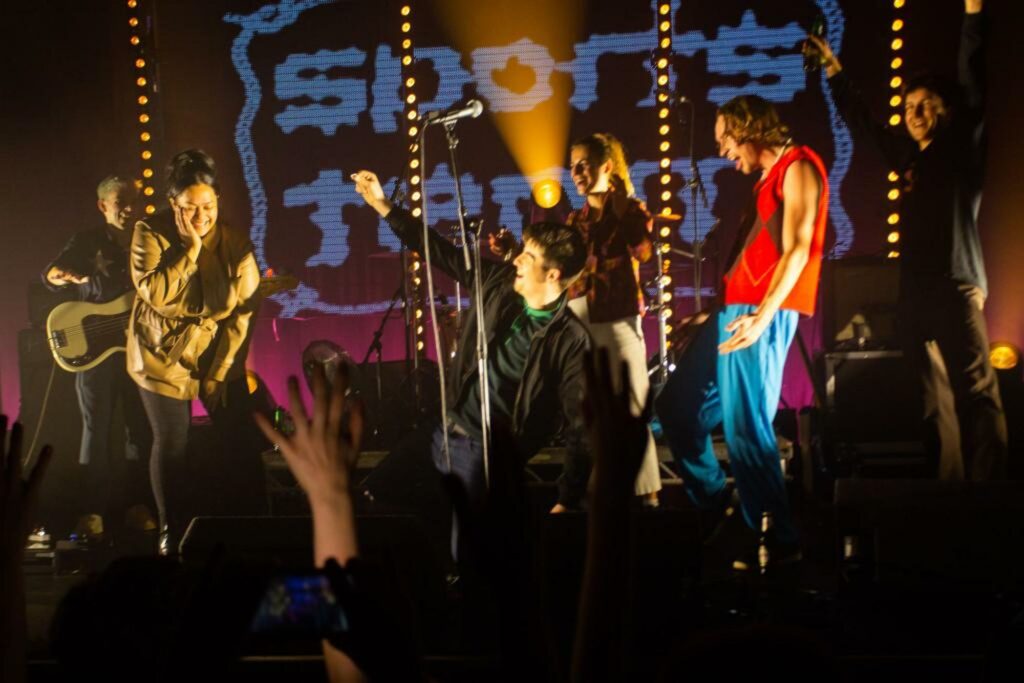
x=731 y=374
x=535 y=343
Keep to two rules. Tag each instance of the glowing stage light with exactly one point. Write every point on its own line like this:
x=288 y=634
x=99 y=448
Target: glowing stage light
x=252 y=381
x=1003 y=355
x=547 y=193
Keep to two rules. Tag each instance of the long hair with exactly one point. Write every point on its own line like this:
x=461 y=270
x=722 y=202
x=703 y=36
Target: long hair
x=604 y=146
x=753 y=119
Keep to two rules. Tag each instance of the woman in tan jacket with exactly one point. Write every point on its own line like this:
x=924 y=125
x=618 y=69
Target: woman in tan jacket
x=196 y=280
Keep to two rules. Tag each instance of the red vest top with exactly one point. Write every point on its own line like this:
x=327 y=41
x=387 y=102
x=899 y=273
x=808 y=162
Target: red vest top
x=748 y=278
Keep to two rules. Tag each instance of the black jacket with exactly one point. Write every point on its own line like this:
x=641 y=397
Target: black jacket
x=96 y=254
x=549 y=396
x=942 y=183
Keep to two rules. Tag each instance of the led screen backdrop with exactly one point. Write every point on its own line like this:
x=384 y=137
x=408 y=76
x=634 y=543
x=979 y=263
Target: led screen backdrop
x=322 y=98
x=294 y=96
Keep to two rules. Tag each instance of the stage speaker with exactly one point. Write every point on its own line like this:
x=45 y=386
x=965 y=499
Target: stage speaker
x=403 y=400
x=872 y=408
x=928 y=534
x=860 y=302
x=59 y=424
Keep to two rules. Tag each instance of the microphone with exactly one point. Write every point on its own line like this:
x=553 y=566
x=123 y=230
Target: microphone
x=472 y=110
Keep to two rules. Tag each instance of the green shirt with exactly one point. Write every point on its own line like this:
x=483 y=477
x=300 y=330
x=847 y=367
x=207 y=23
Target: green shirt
x=506 y=361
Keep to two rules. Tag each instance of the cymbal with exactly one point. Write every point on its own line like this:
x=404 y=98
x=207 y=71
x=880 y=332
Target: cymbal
x=667 y=217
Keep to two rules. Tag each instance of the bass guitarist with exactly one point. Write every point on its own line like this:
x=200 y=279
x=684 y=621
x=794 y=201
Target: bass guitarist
x=95 y=261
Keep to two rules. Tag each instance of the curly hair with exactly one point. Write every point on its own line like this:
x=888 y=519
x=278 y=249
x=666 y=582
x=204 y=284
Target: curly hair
x=749 y=118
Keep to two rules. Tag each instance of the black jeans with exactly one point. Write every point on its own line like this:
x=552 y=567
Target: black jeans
x=169 y=419
x=944 y=338
x=467 y=465
x=99 y=391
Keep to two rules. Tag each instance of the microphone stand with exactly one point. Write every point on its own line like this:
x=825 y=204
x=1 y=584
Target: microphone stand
x=375 y=346
x=412 y=361
x=472 y=264
x=696 y=185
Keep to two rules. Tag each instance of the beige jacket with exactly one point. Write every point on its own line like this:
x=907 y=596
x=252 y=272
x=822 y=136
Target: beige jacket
x=182 y=307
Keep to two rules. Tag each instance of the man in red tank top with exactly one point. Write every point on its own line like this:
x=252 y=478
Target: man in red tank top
x=731 y=374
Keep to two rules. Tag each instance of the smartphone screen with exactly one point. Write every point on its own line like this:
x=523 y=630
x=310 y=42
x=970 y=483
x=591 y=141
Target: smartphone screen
x=300 y=605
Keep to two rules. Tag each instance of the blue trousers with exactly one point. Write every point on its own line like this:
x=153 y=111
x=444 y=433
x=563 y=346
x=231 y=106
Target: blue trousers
x=740 y=391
